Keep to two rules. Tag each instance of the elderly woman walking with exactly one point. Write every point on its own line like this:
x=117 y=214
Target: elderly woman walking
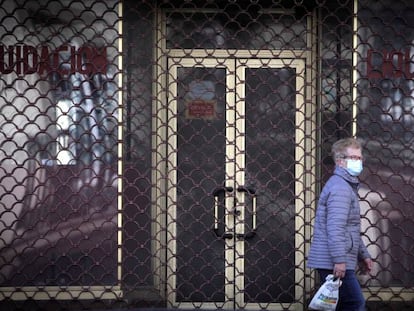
x=337 y=246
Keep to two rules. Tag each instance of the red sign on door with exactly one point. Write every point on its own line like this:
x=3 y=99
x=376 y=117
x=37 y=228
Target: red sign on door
x=201 y=109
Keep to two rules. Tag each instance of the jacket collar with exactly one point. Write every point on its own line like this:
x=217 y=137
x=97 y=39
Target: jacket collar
x=342 y=172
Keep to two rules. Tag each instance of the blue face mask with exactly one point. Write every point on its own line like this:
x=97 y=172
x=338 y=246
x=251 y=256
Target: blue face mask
x=354 y=167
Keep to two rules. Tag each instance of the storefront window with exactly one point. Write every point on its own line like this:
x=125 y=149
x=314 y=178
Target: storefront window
x=228 y=29
x=385 y=120
x=59 y=118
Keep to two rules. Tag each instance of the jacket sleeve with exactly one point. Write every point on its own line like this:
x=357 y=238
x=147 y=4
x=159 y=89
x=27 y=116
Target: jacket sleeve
x=363 y=252
x=338 y=206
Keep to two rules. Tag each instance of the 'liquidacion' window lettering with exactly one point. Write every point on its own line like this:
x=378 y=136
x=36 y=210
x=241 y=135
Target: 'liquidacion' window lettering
x=65 y=60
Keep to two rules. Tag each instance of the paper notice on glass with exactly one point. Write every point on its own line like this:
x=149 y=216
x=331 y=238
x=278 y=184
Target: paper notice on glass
x=200 y=101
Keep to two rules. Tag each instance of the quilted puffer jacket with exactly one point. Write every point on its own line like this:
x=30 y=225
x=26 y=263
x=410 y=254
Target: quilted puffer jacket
x=336 y=235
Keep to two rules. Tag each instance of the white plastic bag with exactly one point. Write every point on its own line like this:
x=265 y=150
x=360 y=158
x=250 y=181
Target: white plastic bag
x=326 y=298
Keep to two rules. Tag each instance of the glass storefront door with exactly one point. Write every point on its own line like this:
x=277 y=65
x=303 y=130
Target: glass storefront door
x=235 y=231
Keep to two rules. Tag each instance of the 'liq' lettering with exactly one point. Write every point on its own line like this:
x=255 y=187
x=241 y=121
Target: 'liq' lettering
x=389 y=64
x=65 y=60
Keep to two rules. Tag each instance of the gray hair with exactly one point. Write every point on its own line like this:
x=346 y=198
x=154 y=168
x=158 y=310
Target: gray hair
x=340 y=146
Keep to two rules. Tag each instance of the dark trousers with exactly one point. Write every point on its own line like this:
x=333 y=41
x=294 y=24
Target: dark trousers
x=350 y=293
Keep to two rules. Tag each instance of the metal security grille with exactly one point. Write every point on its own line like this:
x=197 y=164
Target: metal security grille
x=170 y=154
x=59 y=162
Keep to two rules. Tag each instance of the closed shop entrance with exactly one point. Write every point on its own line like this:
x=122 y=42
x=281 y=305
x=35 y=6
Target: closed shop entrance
x=235 y=206
x=170 y=154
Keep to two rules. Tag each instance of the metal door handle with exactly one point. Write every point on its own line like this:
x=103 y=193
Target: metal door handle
x=216 y=193
x=252 y=193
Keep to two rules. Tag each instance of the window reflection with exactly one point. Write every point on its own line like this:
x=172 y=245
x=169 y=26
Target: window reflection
x=230 y=29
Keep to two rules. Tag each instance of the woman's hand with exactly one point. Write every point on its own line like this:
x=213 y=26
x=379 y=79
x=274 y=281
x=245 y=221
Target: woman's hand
x=339 y=270
x=366 y=265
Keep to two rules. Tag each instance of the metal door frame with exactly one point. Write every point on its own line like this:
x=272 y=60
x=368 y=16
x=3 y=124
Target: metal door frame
x=299 y=65
x=174 y=64
x=178 y=58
